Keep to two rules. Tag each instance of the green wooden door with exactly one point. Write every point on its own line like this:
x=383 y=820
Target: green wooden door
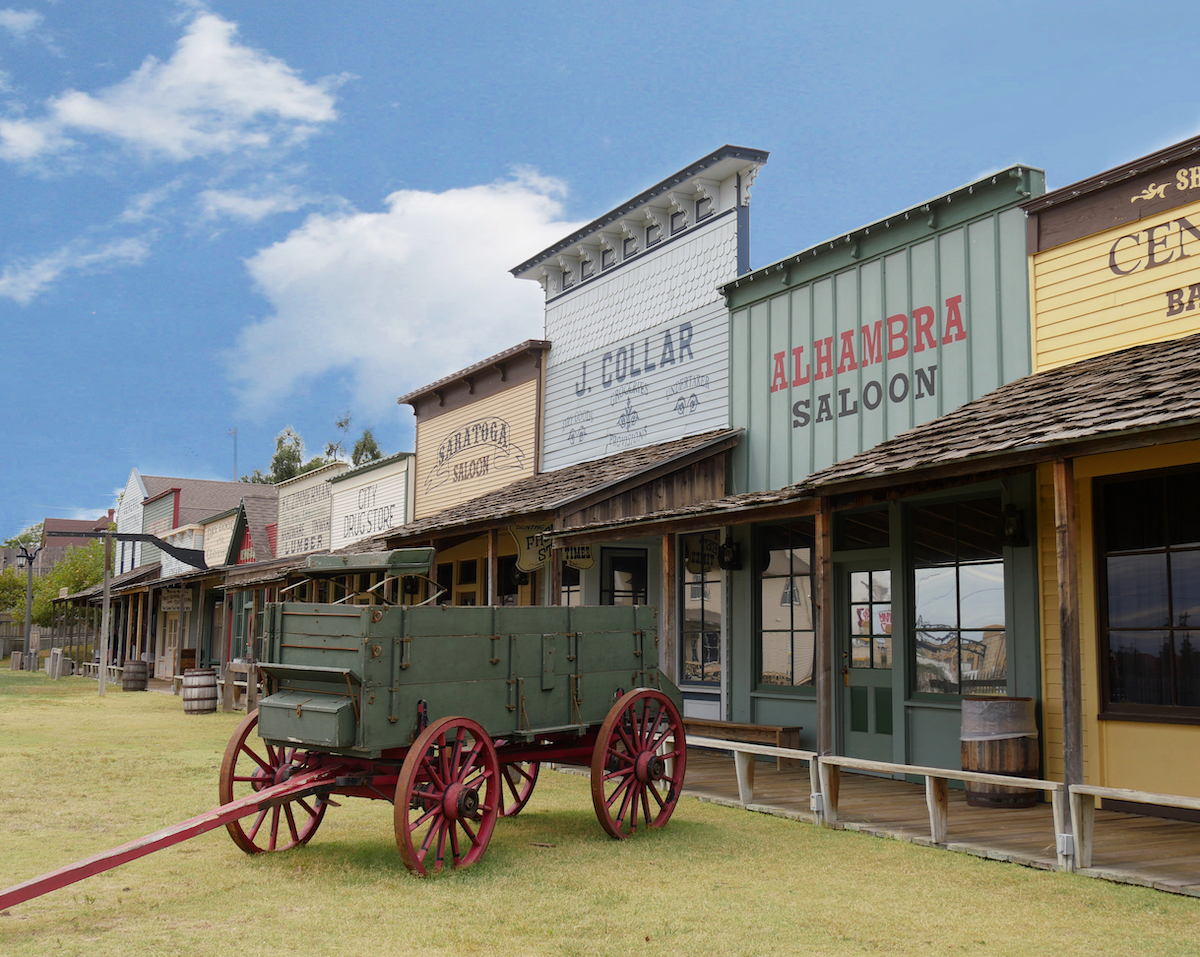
x=867 y=650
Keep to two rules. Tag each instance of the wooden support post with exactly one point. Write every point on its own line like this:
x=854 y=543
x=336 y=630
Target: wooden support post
x=1068 y=617
x=1083 y=824
x=743 y=764
x=667 y=640
x=830 y=776
x=493 y=567
x=108 y=539
x=1065 y=829
x=824 y=652
x=555 y=576
x=937 y=797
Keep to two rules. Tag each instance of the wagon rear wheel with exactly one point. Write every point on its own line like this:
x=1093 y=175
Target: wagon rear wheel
x=447 y=796
x=517 y=781
x=638 y=763
x=250 y=764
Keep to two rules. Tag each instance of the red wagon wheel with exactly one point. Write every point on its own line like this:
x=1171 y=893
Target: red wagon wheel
x=638 y=762
x=517 y=781
x=447 y=796
x=250 y=764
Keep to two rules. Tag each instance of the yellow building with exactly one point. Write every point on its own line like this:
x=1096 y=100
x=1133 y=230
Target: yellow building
x=1115 y=269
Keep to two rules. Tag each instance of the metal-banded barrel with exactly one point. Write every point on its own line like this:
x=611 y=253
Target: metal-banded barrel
x=199 y=691
x=133 y=675
x=1000 y=735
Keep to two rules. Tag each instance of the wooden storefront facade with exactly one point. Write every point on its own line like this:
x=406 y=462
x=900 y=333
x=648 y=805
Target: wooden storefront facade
x=1112 y=265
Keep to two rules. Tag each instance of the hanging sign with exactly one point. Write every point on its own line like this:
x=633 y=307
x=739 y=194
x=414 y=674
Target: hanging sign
x=579 y=556
x=175 y=601
x=533 y=549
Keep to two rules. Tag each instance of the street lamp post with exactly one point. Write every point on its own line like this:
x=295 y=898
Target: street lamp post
x=28 y=558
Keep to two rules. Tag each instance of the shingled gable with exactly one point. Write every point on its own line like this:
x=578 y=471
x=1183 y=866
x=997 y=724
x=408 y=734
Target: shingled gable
x=541 y=495
x=1145 y=395
x=256 y=511
x=199 y=498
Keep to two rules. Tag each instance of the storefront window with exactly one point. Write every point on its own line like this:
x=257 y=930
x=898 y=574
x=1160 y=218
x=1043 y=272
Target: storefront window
x=1148 y=536
x=571 y=593
x=958 y=583
x=785 y=591
x=623 y=576
x=702 y=605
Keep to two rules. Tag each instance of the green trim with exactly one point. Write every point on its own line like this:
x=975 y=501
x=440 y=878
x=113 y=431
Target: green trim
x=1007 y=189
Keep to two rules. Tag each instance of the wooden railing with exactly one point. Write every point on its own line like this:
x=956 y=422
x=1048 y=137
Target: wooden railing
x=825 y=779
x=1083 y=811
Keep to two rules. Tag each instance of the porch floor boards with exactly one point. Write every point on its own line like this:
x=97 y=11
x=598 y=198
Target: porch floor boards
x=1128 y=848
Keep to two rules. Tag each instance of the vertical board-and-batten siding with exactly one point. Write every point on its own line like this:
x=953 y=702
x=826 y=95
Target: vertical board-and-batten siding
x=977 y=269
x=450 y=472
x=627 y=321
x=370 y=503
x=1082 y=308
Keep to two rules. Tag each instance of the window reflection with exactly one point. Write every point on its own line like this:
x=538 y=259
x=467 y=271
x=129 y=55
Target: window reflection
x=958 y=586
x=785 y=605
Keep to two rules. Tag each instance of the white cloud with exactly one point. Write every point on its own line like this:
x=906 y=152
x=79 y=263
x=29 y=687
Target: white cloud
x=24 y=280
x=218 y=203
x=212 y=97
x=399 y=298
x=20 y=23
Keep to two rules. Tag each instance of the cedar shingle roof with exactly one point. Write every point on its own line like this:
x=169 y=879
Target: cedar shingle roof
x=545 y=491
x=202 y=498
x=1143 y=388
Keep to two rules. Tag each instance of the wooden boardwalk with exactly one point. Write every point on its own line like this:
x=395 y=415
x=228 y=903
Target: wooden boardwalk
x=1129 y=848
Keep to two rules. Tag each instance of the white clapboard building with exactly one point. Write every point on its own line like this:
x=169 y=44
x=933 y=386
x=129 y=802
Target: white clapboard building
x=639 y=330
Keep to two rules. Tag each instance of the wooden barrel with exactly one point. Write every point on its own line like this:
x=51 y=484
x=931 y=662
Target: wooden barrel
x=199 y=691
x=999 y=735
x=133 y=675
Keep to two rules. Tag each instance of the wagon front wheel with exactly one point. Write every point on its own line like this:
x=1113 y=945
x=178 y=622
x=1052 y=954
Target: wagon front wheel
x=250 y=764
x=447 y=796
x=638 y=763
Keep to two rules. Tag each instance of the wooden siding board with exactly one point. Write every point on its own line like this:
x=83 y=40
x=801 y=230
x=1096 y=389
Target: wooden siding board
x=1082 y=309
x=439 y=486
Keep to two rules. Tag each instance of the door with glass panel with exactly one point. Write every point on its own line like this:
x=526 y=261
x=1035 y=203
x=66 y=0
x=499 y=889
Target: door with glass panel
x=867 y=649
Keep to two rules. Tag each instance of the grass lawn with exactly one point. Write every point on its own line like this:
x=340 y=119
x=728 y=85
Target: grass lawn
x=79 y=774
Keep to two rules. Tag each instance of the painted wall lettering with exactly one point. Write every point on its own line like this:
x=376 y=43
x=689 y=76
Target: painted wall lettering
x=459 y=457
x=915 y=333
x=923 y=383
x=1156 y=246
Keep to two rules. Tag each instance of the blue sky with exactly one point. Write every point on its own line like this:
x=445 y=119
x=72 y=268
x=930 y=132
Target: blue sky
x=252 y=215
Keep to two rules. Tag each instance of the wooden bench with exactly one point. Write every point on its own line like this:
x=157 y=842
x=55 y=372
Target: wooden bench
x=1083 y=811
x=236 y=682
x=937 y=795
x=767 y=734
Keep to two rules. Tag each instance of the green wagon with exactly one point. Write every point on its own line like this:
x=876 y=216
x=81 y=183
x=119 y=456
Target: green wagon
x=449 y=712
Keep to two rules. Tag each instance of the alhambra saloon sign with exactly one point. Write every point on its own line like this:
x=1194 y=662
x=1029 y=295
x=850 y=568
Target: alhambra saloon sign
x=812 y=365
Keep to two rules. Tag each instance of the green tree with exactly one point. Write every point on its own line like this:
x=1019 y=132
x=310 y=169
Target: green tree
x=365 y=449
x=30 y=536
x=79 y=568
x=12 y=590
x=335 y=451
x=288 y=460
